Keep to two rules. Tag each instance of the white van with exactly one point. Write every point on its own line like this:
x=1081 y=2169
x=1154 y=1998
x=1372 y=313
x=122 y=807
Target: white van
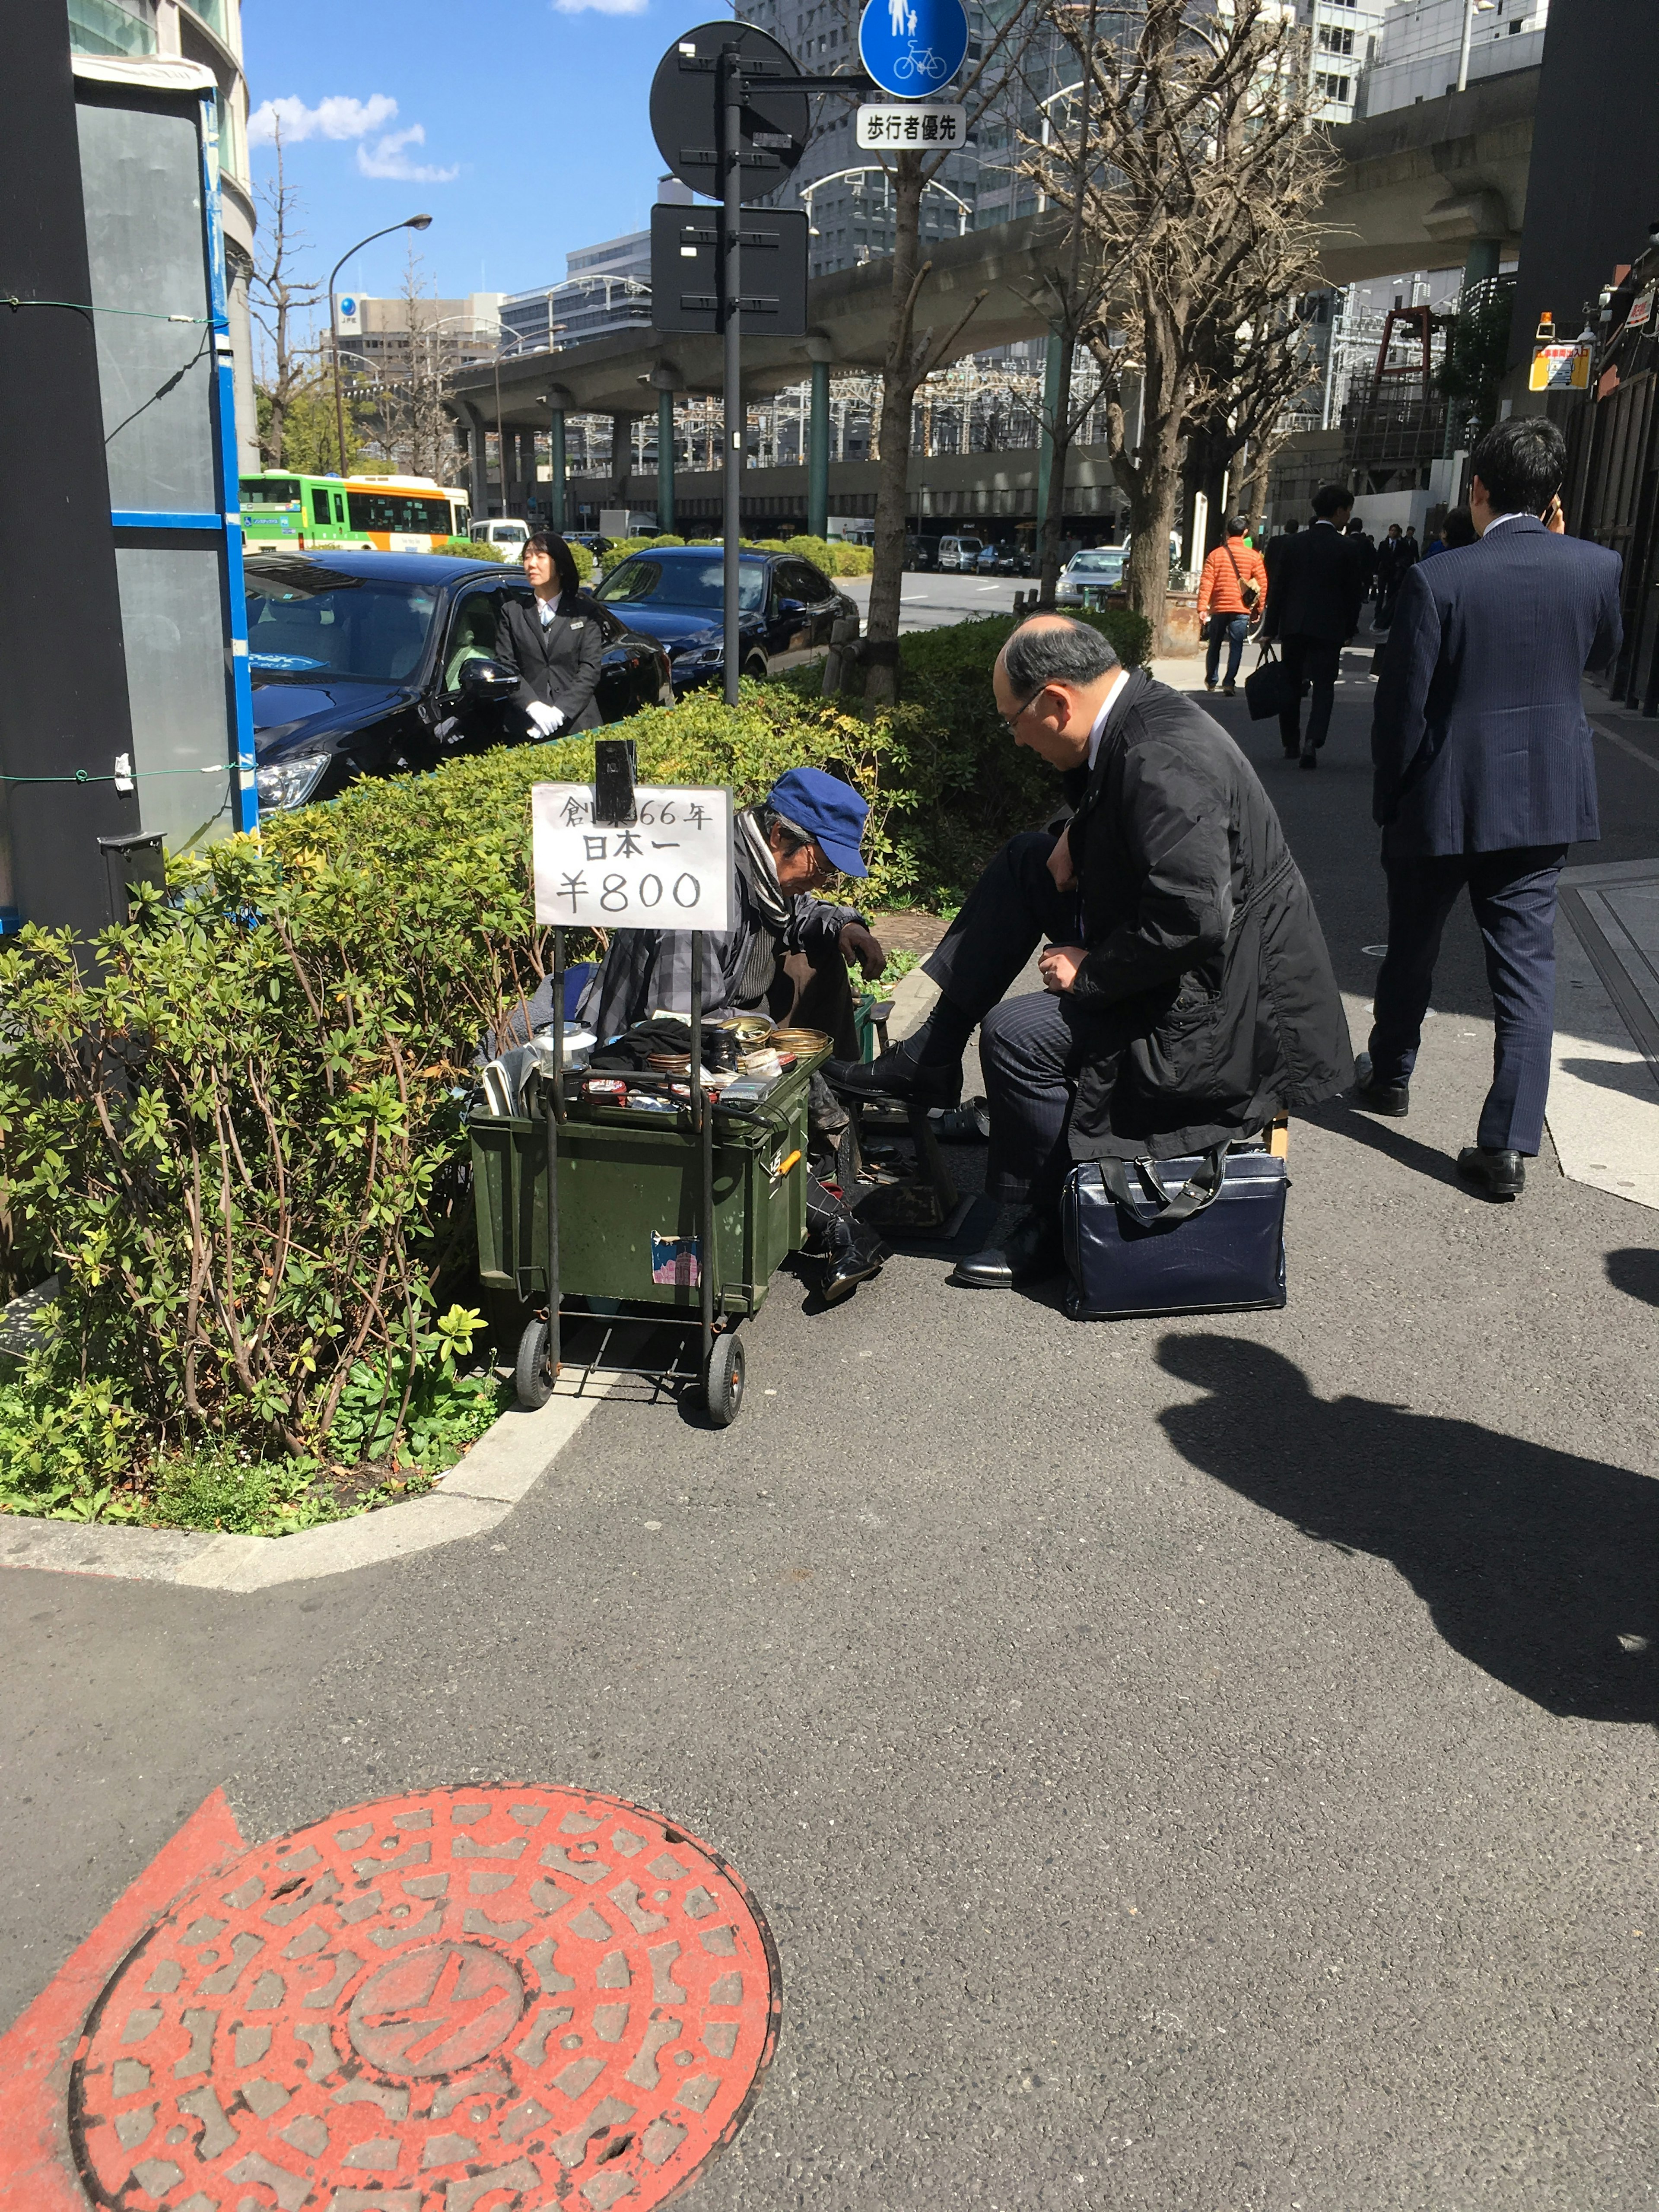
x=507 y=531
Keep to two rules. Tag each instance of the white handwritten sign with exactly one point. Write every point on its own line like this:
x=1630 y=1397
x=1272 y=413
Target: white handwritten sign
x=670 y=869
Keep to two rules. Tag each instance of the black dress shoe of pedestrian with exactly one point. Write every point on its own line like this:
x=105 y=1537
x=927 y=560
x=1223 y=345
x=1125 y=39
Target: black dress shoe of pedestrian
x=1500 y=1174
x=1309 y=756
x=865 y=1256
x=1374 y=1098
x=894 y=1074
x=1031 y=1250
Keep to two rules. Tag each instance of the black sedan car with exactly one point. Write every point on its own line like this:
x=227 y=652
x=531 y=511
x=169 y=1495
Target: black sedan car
x=373 y=664
x=786 y=608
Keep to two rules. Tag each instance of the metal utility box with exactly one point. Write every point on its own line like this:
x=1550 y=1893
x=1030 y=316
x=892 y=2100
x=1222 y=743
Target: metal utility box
x=628 y=1203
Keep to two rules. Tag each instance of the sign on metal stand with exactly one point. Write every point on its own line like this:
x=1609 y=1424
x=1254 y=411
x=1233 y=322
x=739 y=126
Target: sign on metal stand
x=728 y=99
x=608 y=855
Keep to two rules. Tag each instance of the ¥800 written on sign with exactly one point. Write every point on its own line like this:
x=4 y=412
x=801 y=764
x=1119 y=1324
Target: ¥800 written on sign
x=670 y=868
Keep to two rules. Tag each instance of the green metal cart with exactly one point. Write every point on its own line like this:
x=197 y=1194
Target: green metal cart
x=678 y=1218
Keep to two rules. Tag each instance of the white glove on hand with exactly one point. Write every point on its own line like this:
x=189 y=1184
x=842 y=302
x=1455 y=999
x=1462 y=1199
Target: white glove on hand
x=548 y=720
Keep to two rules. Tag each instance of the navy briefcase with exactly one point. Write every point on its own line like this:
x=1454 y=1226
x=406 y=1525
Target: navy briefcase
x=1205 y=1235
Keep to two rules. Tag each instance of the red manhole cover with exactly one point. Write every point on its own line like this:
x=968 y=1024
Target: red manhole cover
x=472 y=2001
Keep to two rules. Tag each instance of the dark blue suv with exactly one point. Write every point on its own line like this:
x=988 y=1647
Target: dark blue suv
x=673 y=593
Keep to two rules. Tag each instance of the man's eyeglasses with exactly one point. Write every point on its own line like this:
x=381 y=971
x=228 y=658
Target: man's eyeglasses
x=1011 y=722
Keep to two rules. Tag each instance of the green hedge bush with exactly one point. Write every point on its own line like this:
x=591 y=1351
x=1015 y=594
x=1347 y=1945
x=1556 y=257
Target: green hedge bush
x=236 y=1136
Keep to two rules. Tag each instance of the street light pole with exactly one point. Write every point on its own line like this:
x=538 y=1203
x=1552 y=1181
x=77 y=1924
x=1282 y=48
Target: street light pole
x=409 y=223
x=1471 y=8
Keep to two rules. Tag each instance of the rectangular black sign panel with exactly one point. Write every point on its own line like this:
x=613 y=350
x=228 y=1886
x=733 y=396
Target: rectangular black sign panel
x=685 y=271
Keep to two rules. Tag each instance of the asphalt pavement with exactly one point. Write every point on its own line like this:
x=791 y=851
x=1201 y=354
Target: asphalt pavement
x=1203 y=1764
x=934 y=597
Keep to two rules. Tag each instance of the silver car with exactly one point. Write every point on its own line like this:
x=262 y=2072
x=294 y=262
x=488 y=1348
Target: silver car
x=1088 y=576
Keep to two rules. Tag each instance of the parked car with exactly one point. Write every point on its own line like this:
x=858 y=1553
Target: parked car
x=507 y=531
x=1090 y=576
x=372 y=664
x=920 y=552
x=959 y=553
x=786 y=608
x=1003 y=560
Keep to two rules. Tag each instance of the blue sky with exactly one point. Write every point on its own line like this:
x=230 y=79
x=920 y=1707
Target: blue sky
x=519 y=125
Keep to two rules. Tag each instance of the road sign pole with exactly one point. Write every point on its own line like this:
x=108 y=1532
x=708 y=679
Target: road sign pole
x=731 y=84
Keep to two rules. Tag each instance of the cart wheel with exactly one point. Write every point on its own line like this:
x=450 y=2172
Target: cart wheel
x=722 y=1385
x=530 y=1378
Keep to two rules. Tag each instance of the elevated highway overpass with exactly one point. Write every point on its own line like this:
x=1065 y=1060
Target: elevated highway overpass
x=1440 y=184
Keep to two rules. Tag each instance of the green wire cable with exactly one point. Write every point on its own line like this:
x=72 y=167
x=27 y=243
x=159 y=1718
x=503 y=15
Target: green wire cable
x=86 y=307
x=141 y=775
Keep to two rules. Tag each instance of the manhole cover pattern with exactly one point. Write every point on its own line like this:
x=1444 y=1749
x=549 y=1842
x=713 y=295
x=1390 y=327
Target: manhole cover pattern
x=470 y=2000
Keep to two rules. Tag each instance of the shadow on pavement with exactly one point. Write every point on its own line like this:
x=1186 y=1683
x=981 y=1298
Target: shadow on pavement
x=1388 y=1138
x=1631 y=1078
x=1536 y=1565
x=1635 y=1270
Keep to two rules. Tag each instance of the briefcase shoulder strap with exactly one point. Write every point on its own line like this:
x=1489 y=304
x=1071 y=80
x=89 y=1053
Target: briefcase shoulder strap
x=1238 y=578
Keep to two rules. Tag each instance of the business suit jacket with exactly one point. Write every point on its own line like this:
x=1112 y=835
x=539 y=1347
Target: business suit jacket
x=1478 y=739
x=1316 y=586
x=1206 y=1001
x=558 y=662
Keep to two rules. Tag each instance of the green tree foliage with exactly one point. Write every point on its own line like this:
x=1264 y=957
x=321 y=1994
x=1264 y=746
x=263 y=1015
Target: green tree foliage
x=311 y=445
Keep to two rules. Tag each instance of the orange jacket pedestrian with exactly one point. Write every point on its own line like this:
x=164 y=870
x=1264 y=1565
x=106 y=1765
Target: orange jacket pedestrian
x=1220 y=589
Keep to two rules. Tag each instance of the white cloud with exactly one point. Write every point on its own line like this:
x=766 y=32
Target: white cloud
x=387 y=159
x=603 y=6
x=336 y=116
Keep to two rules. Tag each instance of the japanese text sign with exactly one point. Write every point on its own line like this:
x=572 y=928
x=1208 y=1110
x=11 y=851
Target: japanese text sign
x=1560 y=368
x=669 y=869
x=913 y=124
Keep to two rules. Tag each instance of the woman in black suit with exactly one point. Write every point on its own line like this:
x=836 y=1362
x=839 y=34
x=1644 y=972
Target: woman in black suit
x=554 y=646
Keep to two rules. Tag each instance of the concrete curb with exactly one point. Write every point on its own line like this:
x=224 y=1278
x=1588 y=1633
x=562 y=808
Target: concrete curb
x=913 y=1001
x=477 y=1495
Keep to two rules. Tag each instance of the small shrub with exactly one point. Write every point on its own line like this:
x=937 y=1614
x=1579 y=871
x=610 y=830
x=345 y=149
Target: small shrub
x=474 y=549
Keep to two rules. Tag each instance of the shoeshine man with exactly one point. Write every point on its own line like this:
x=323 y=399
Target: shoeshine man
x=1187 y=994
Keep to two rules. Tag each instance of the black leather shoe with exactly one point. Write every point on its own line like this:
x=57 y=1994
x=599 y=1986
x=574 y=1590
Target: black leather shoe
x=1373 y=1098
x=894 y=1074
x=1030 y=1251
x=1500 y=1174
x=1308 y=756
x=865 y=1256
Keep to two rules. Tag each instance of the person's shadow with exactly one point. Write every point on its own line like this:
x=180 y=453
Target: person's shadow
x=1540 y=1567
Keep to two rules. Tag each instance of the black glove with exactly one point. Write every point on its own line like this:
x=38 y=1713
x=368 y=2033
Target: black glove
x=857 y=943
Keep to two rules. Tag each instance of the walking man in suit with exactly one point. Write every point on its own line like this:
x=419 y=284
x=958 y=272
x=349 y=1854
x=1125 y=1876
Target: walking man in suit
x=1313 y=609
x=1484 y=775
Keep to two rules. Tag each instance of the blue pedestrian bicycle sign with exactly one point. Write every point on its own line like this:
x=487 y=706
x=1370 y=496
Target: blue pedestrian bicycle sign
x=913 y=48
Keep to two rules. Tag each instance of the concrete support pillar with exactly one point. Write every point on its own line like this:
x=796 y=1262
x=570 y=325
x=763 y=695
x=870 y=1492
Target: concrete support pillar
x=1046 y=449
x=478 y=459
x=622 y=457
x=666 y=460
x=1480 y=261
x=556 y=492
x=817 y=454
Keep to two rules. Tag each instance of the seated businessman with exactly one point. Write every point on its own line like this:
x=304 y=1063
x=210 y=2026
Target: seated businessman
x=1188 y=995
x=1485 y=774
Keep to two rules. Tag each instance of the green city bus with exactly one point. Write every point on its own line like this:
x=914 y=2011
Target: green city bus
x=395 y=514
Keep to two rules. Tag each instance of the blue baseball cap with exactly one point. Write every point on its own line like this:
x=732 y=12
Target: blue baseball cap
x=830 y=811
